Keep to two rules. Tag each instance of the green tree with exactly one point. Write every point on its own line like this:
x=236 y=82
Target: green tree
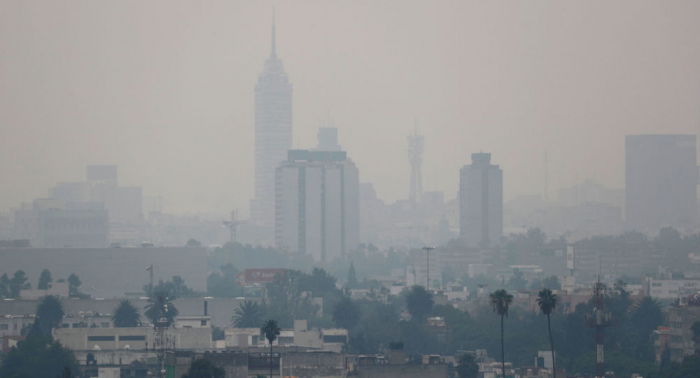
x=346 y=313
x=204 y=368
x=286 y=299
x=551 y=282
x=17 y=283
x=126 y=315
x=696 y=336
x=548 y=302
x=500 y=302
x=351 y=282
x=160 y=306
x=467 y=368
x=218 y=334
x=37 y=357
x=176 y=286
x=248 y=315
x=271 y=330
x=224 y=284
x=44 y=280
x=74 y=285
x=419 y=303
x=49 y=315
x=193 y=243
x=4 y=286
x=517 y=282
x=645 y=317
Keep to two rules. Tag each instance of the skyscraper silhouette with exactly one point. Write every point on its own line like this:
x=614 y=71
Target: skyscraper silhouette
x=273 y=133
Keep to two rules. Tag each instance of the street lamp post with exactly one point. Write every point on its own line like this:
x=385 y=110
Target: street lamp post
x=427 y=263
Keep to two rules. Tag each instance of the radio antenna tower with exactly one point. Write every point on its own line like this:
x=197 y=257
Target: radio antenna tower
x=599 y=320
x=415 y=158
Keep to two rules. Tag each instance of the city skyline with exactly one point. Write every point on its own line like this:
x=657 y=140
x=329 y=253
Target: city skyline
x=176 y=104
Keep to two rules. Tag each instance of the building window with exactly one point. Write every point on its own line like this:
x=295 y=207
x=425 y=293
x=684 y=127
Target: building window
x=104 y=325
x=132 y=338
x=204 y=323
x=101 y=338
x=3 y=327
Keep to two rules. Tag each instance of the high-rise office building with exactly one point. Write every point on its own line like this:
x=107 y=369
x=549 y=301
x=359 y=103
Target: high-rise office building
x=660 y=182
x=317 y=204
x=481 y=202
x=273 y=134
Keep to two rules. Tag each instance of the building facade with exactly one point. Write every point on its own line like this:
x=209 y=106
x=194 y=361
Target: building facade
x=273 y=134
x=52 y=223
x=660 y=182
x=317 y=204
x=481 y=202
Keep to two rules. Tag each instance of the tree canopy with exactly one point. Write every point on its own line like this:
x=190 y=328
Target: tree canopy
x=37 y=357
x=204 y=368
x=160 y=306
x=249 y=314
x=44 y=280
x=419 y=303
x=126 y=315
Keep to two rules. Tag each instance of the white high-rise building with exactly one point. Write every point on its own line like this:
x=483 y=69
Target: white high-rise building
x=317 y=204
x=481 y=202
x=273 y=134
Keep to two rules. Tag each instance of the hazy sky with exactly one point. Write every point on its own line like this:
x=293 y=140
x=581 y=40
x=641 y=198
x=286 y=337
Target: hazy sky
x=164 y=89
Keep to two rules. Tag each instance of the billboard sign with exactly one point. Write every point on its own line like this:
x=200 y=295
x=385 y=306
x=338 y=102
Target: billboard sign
x=262 y=275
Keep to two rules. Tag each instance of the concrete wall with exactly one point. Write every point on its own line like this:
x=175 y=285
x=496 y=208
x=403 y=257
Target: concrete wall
x=220 y=309
x=314 y=364
x=109 y=272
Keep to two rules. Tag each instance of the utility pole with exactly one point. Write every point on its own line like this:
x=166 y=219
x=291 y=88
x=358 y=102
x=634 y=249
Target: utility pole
x=150 y=275
x=427 y=263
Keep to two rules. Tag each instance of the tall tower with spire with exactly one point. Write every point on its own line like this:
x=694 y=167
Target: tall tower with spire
x=273 y=133
x=415 y=158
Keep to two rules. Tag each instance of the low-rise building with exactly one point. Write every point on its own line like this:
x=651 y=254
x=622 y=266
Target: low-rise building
x=680 y=319
x=672 y=289
x=131 y=338
x=12 y=325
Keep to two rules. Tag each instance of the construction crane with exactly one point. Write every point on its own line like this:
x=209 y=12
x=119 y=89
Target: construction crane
x=233 y=225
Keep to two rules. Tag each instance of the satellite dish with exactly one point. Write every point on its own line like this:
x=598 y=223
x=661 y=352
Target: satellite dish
x=96 y=347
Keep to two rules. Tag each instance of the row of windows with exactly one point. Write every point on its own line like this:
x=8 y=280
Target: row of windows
x=121 y=338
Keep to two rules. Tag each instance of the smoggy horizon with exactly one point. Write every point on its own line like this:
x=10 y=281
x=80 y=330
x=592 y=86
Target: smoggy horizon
x=164 y=90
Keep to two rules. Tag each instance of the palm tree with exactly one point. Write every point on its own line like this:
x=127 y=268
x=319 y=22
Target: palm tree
x=271 y=331
x=49 y=314
x=126 y=315
x=548 y=302
x=500 y=301
x=159 y=306
x=646 y=315
x=248 y=315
